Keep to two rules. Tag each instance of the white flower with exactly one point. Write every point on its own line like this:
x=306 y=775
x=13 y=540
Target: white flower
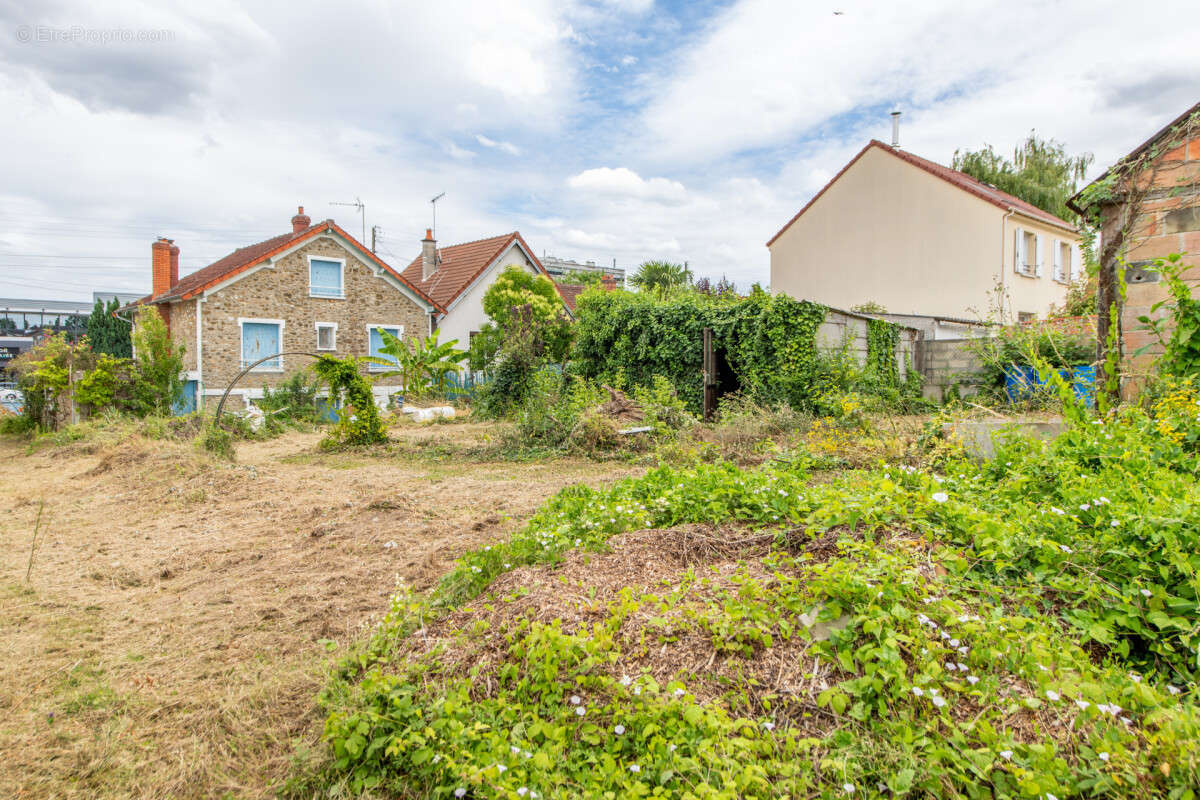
x=1114 y=524
x=626 y=680
x=1006 y=755
x=963 y=649
x=933 y=690
x=508 y=566
x=1057 y=510
x=522 y=791
x=939 y=701
x=1147 y=593
x=848 y=788
x=1103 y=500
x=575 y=700
x=770 y=726
x=679 y=692
x=1064 y=548
x=954 y=642
x=637 y=690
x=671 y=748
x=620 y=729
x=963 y=667
x=1173 y=689
x=917 y=691
x=1042 y=668
x=1053 y=695
x=515 y=749
x=579 y=712
x=940 y=497
x=634 y=768
x=460 y=792
x=578 y=542
x=1083 y=704
x=1050 y=796
x=1133 y=676
x=389 y=545
x=971 y=679
x=501 y=768
x=1102 y=756
x=1084 y=507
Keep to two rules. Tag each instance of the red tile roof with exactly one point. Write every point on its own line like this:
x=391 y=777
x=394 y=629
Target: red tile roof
x=460 y=264
x=570 y=293
x=962 y=180
x=244 y=258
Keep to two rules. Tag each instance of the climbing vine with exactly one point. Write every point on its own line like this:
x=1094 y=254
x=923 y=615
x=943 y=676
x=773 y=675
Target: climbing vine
x=768 y=343
x=882 y=339
x=359 y=421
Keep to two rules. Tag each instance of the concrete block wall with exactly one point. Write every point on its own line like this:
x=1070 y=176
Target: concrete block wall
x=946 y=362
x=847 y=327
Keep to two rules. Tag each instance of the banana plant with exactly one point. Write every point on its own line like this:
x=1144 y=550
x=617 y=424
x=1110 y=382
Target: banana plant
x=421 y=362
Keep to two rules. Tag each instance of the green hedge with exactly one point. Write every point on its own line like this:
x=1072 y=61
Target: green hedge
x=625 y=339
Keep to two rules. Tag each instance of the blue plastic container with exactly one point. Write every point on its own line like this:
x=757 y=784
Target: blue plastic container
x=1021 y=382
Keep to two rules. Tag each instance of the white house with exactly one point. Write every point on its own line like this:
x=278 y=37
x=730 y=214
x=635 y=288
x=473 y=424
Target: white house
x=456 y=277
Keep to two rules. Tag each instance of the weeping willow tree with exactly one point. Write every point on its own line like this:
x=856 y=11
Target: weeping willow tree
x=1041 y=172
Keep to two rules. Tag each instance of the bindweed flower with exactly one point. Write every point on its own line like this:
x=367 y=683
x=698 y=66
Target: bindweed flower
x=918 y=691
x=954 y=642
x=671 y=748
x=634 y=768
x=579 y=712
x=848 y=788
x=620 y=729
x=460 y=792
x=1083 y=704
x=1102 y=756
x=501 y=768
x=575 y=700
x=770 y=726
x=1065 y=549
x=626 y=680
x=679 y=692
x=1114 y=524
x=1173 y=689
x=1006 y=755
x=1053 y=695
x=971 y=679
x=1147 y=593
x=939 y=701
x=940 y=497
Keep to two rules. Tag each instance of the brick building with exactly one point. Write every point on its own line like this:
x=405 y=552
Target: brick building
x=315 y=289
x=1147 y=206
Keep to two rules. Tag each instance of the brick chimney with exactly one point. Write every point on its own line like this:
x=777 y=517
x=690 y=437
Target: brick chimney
x=164 y=266
x=301 y=221
x=429 y=257
x=608 y=282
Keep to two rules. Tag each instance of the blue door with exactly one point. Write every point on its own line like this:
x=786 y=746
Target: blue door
x=186 y=402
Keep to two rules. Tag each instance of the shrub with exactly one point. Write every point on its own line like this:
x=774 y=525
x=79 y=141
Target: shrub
x=358 y=422
x=159 y=363
x=293 y=400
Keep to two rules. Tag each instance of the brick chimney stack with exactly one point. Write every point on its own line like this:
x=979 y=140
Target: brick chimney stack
x=174 y=265
x=161 y=262
x=428 y=255
x=608 y=282
x=301 y=221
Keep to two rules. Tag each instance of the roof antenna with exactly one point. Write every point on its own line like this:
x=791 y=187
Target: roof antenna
x=433 y=203
x=895 y=129
x=362 y=211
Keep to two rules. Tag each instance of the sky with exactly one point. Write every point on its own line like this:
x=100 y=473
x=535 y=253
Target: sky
x=621 y=130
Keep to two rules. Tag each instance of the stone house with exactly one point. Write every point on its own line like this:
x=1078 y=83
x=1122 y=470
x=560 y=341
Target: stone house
x=456 y=278
x=920 y=238
x=313 y=290
x=1147 y=206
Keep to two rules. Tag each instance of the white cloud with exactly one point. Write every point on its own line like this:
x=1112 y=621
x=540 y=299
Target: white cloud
x=624 y=182
x=507 y=147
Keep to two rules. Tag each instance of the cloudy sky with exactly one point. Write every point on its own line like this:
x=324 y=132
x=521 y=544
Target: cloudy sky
x=627 y=129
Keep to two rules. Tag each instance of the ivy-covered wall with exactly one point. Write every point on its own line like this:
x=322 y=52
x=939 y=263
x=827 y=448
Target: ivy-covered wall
x=771 y=343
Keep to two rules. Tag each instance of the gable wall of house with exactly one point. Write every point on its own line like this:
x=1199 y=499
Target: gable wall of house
x=467 y=314
x=1169 y=222
x=281 y=291
x=889 y=232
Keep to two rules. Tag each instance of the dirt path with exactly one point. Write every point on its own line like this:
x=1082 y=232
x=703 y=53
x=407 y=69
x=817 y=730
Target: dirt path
x=172 y=637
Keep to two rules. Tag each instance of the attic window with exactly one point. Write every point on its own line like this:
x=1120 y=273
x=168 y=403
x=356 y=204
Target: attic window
x=325 y=277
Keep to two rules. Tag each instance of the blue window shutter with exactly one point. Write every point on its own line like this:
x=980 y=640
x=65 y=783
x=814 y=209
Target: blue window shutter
x=324 y=278
x=260 y=339
x=377 y=342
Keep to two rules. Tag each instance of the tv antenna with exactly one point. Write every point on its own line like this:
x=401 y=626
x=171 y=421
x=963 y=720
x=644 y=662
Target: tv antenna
x=433 y=203
x=362 y=212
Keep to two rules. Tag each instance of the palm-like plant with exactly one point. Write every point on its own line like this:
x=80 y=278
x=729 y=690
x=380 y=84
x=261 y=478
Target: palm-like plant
x=661 y=276
x=422 y=361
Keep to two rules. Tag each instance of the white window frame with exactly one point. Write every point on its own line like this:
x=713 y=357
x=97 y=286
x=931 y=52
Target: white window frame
x=317 y=326
x=389 y=327
x=242 y=342
x=342 y=280
x=1063 y=273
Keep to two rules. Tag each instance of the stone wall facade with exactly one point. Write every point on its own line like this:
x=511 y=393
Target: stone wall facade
x=280 y=291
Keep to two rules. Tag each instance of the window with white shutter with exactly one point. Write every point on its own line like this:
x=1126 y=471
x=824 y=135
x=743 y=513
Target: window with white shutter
x=1038 y=252
x=1018 y=250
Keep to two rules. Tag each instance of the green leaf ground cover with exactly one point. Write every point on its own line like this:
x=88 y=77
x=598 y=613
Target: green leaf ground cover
x=1021 y=628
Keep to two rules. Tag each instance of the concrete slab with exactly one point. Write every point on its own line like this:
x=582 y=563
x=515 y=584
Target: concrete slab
x=977 y=436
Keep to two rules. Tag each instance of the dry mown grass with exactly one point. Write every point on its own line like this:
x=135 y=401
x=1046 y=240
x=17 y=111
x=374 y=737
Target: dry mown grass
x=170 y=642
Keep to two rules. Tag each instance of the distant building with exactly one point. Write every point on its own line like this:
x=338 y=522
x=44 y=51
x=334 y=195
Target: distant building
x=558 y=267
x=122 y=298
x=21 y=316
